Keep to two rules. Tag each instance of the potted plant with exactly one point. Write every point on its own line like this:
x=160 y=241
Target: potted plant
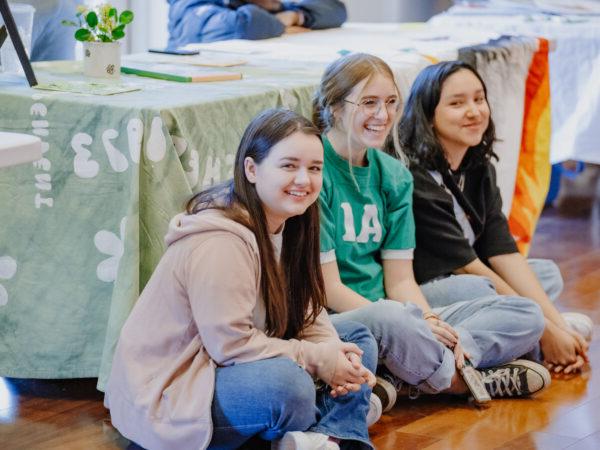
x=100 y=29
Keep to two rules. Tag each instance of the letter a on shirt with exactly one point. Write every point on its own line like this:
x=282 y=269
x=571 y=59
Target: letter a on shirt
x=370 y=225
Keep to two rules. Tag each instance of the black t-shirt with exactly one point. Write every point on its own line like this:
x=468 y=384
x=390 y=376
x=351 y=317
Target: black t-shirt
x=441 y=244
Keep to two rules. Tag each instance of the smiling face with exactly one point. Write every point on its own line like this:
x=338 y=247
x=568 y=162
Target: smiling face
x=289 y=179
x=368 y=112
x=462 y=114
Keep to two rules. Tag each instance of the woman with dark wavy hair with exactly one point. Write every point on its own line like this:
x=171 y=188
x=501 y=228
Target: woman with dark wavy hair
x=230 y=331
x=464 y=246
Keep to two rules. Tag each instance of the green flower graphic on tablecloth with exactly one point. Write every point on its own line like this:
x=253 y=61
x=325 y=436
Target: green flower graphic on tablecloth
x=8 y=268
x=112 y=245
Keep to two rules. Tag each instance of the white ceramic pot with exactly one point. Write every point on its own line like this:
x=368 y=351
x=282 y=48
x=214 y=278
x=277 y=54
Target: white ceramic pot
x=102 y=59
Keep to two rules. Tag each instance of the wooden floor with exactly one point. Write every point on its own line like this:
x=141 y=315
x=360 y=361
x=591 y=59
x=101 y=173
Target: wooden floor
x=36 y=414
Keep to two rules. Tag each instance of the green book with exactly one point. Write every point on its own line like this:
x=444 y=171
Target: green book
x=179 y=73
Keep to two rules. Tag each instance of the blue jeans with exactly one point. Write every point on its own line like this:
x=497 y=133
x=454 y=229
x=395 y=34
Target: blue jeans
x=456 y=288
x=270 y=397
x=492 y=332
x=446 y=291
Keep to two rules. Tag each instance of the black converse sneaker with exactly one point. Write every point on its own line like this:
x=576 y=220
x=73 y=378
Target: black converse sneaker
x=515 y=379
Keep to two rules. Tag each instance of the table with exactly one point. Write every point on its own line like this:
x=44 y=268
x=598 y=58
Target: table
x=82 y=228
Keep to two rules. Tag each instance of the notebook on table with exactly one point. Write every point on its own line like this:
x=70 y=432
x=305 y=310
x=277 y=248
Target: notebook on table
x=179 y=73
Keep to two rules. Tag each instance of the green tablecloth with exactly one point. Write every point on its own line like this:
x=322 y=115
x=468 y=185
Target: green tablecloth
x=82 y=229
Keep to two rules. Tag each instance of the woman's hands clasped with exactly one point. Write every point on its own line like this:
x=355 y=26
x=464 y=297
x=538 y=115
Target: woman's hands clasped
x=349 y=372
x=565 y=350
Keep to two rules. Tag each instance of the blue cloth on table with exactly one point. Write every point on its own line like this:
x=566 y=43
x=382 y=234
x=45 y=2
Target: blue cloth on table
x=50 y=39
x=216 y=20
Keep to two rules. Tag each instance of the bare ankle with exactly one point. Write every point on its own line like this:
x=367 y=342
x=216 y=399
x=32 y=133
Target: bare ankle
x=457 y=386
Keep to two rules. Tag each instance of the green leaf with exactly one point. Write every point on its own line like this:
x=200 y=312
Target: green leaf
x=102 y=28
x=118 y=34
x=126 y=17
x=112 y=12
x=83 y=35
x=68 y=23
x=91 y=19
x=104 y=38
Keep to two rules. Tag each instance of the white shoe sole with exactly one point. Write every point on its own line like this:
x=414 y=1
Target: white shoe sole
x=580 y=323
x=375 y=410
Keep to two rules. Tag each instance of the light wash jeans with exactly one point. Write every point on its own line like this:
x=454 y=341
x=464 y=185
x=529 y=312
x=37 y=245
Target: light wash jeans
x=456 y=288
x=267 y=398
x=492 y=332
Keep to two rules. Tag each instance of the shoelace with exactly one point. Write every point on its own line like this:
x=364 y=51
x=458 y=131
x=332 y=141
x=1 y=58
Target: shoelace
x=501 y=382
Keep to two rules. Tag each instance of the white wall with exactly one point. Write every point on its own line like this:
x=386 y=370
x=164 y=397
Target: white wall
x=150 y=25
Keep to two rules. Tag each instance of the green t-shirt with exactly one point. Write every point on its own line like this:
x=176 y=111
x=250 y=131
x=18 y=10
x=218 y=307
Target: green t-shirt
x=367 y=220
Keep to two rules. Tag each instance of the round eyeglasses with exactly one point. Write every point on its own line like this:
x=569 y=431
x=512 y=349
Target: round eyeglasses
x=372 y=106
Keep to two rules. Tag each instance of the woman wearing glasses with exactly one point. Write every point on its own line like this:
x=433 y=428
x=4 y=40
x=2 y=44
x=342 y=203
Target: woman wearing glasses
x=367 y=242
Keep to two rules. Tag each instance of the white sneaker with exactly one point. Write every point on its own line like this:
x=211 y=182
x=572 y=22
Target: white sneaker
x=375 y=410
x=580 y=323
x=304 y=440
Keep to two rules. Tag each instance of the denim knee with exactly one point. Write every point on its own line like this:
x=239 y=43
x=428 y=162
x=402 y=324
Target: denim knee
x=529 y=316
x=396 y=314
x=555 y=289
x=359 y=334
x=549 y=276
x=294 y=406
x=408 y=348
x=532 y=315
x=397 y=324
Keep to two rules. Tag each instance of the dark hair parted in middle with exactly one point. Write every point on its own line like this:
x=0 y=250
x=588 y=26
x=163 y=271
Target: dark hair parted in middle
x=417 y=136
x=293 y=287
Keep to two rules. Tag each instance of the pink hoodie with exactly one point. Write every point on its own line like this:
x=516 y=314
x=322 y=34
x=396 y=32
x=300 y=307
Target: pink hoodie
x=201 y=309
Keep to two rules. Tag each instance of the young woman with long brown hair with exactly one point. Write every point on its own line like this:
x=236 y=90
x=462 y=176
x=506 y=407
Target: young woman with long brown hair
x=230 y=331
